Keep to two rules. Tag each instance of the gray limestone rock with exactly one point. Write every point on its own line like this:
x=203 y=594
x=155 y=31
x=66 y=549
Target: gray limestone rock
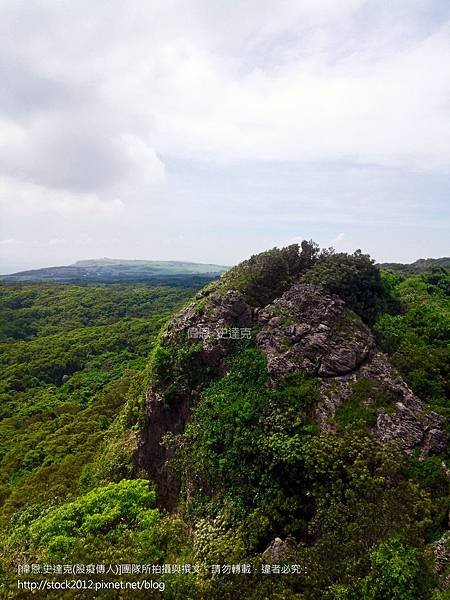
x=311 y=329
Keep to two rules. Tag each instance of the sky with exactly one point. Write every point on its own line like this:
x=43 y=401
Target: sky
x=208 y=131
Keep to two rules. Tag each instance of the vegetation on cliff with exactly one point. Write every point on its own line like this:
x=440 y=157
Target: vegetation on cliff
x=256 y=452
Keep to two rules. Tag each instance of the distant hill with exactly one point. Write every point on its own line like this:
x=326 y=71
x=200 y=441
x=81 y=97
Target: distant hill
x=108 y=270
x=422 y=265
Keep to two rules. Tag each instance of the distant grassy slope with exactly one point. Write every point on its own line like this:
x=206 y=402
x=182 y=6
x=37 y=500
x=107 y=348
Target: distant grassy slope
x=116 y=270
x=422 y=265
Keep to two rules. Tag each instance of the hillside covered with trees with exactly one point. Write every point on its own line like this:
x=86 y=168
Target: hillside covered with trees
x=281 y=433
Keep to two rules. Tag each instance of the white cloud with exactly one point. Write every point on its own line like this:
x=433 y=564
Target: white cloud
x=26 y=198
x=290 y=81
x=11 y=242
x=146 y=169
x=100 y=100
x=390 y=111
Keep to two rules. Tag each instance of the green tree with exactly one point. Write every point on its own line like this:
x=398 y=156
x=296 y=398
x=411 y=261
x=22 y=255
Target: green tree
x=397 y=572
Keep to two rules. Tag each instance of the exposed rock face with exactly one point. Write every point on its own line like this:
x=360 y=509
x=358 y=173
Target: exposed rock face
x=409 y=423
x=308 y=328
x=152 y=455
x=276 y=550
x=441 y=555
x=305 y=329
x=219 y=311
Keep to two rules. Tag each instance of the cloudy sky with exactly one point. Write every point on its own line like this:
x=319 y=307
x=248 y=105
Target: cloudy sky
x=209 y=130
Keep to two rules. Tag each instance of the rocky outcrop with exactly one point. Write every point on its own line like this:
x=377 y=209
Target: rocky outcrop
x=201 y=329
x=152 y=454
x=276 y=550
x=210 y=324
x=309 y=329
x=306 y=329
x=440 y=552
x=408 y=421
x=218 y=310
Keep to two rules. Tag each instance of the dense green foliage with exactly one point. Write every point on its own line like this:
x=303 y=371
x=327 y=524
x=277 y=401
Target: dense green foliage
x=244 y=439
x=417 y=337
x=355 y=409
x=396 y=571
x=39 y=310
x=68 y=357
x=355 y=279
x=265 y=276
x=358 y=516
x=258 y=468
x=107 y=511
